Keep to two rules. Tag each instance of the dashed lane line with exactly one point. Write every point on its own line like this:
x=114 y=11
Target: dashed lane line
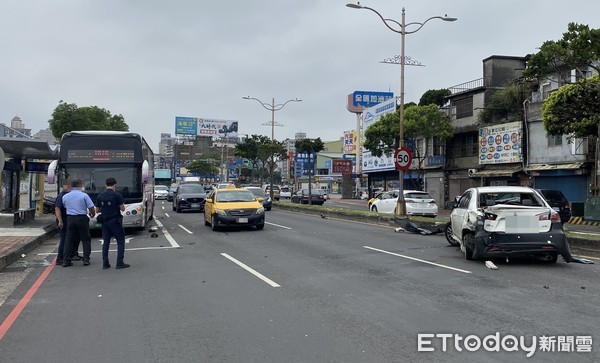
x=418 y=260
x=252 y=271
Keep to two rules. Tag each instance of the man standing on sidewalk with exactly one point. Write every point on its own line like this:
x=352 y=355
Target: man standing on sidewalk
x=111 y=203
x=78 y=206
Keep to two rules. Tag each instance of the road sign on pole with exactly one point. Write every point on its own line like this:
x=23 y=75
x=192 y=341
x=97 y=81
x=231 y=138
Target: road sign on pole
x=402 y=158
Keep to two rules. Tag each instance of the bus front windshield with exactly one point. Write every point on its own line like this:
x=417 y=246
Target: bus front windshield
x=94 y=176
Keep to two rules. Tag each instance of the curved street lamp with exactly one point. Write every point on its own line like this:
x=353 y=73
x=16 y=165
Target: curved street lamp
x=272 y=107
x=400 y=211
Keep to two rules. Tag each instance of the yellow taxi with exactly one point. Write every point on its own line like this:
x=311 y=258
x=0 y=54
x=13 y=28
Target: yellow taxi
x=233 y=206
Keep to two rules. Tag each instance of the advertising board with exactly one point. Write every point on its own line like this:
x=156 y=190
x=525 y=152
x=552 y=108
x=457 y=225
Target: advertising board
x=371 y=115
x=500 y=144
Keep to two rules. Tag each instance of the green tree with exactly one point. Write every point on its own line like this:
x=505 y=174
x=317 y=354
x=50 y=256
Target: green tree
x=435 y=97
x=68 y=117
x=578 y=48
x=269 y=153
x=507 y=102
x=309 y=147
x=249 y=149
x=573 y=109
x=202 y=167
x=419 y=122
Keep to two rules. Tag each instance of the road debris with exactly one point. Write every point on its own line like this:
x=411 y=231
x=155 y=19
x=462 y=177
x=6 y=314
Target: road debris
x=490 y=265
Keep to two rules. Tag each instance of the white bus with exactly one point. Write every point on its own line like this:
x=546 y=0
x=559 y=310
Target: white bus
x=93 y=156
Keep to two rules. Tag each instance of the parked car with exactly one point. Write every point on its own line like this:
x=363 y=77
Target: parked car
x=233 y=207
x=301 y=197
x=507 y=221
x=259 y=193
x=189 y=197
x=161 y=191
x=285 y=192
x=558 y=201
x=418 y=203
x=171 y=194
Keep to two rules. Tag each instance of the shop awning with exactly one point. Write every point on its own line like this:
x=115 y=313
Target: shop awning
x=539 y=167
x=494 y=173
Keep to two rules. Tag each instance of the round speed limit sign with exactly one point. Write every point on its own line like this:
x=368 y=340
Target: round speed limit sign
x=402 y=158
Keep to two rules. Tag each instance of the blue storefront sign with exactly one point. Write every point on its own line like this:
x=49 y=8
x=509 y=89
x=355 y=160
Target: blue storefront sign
x=370 y=98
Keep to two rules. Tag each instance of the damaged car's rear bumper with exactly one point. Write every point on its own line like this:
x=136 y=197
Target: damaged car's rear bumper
x=498 y=244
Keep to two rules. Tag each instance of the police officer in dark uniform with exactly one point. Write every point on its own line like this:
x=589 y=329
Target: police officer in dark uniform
x=111 y=203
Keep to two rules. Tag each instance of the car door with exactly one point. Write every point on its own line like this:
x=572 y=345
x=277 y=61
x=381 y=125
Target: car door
x=388 y=203
x=208 y=206
x=460 y=214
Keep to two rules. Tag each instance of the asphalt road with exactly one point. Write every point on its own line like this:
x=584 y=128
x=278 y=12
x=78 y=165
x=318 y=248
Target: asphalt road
x=304 y=289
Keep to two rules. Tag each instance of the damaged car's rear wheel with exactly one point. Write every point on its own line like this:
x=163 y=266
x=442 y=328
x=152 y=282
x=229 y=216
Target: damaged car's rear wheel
x=468 y=240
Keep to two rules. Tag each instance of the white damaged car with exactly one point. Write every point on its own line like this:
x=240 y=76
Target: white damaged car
x=507 y=221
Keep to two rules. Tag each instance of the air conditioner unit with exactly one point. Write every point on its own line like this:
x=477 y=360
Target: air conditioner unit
x=472 y=171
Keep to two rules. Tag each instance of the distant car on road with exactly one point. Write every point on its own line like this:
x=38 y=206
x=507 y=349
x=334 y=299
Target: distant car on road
x=190 y=196
x=301 y=196
x=161 y=191
x=259 y=193
x=285 y=192
x=172 y=190
x=234 y=207
x=418 y=203
x=276 y=191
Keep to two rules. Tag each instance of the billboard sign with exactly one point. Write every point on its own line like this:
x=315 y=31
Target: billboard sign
x=302 y=166
x=186 y=126
x=371 y=115
x=499 y=144
x=341 y=166
x=215 y=127
x=350 y=142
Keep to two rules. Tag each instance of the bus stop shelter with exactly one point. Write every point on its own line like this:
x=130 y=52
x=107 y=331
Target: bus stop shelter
x=18 y=155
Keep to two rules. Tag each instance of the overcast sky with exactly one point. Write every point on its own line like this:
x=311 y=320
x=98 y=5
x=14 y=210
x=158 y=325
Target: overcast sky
x=154 y=60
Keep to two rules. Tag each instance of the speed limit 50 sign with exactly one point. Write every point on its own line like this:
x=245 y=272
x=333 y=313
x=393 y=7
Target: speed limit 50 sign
x=402 y=158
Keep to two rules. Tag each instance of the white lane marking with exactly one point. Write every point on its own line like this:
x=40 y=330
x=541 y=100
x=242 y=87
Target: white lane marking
x=167 y=235
x=114 y=241
x=277 y=225
x=417 y=259
x=167 y=214
x=252 y=271
x=128 y=250
x=185 y=229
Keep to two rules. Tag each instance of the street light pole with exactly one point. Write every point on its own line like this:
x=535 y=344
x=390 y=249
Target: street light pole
x=400 y=211
x=272 y=107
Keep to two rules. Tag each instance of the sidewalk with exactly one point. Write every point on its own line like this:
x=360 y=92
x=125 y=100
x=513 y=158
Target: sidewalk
x=15 y=241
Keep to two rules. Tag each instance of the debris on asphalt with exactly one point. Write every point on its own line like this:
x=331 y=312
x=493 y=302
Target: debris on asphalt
x=584 y=261
x=399 y=229
x=424 y=228
x=546 y=287
x=153 y=229
x=154 y=235
x=490 y=265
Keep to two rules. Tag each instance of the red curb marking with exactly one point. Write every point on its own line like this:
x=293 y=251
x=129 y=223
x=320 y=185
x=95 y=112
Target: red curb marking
x=14 y=314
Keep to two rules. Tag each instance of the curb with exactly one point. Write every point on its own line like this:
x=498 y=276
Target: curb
x=579 y=245
x=28 y=245
x=580 y=220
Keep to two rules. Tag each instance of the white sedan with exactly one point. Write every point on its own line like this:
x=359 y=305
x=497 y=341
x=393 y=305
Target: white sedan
x=418 y=203
x=161 y=191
